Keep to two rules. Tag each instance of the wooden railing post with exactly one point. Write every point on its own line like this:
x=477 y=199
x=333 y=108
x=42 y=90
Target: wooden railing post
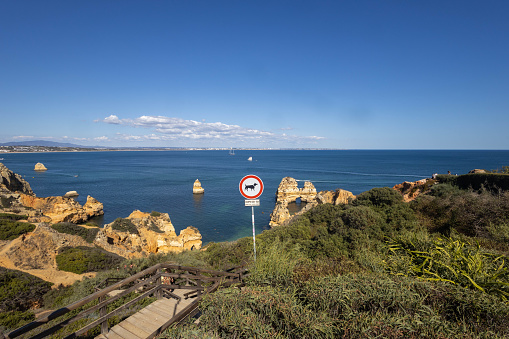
x=159 y=291
x=102 y=312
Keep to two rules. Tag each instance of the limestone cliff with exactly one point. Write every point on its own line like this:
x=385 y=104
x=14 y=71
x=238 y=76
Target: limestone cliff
x=13 y=182
x=141 y=234
x=411 y=190
x=288 y=191
x=61 y=209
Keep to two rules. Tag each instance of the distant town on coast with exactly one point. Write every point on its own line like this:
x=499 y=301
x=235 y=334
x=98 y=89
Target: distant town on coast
x=51 y=146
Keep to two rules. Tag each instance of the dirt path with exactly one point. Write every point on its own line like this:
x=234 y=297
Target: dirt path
x=48 y=274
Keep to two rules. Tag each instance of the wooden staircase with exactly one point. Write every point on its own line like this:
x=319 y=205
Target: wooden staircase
x=178 y=290
x=143 y=324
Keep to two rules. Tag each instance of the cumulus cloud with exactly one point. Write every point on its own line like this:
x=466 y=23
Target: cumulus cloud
x=168 y=128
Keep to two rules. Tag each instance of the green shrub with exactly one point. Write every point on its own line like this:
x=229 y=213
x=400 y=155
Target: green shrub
x=20 y=291
x=379 y=196
x=10 y=230
x=88 y=234
x=262 y=312
x=155 y=214
x=86 y=259
x=124 y=225
x=13 y=319
x=369 y=306
x=13 y=217
x=453 y=261
x=275 y=264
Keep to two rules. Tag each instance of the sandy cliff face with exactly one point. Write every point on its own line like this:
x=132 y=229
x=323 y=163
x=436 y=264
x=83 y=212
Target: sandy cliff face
x=151 y=234
x=35 y=253
x=13 y=182
x=288 y=191
x=411 y=190
x=61 y=209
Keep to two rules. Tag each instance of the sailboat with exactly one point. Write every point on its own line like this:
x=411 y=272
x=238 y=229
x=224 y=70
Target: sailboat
x=232 y=152
x=250 y=159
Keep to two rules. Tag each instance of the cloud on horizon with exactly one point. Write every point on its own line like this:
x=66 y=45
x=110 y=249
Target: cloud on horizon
x=168 y=128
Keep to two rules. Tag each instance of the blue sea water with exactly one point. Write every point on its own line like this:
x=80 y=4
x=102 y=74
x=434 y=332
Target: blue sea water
x=163 y=180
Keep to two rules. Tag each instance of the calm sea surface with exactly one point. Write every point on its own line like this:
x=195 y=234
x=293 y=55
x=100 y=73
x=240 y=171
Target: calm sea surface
x=163 y=180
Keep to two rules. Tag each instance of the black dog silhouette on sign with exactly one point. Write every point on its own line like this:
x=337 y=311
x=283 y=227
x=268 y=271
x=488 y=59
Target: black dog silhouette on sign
x=250 y=187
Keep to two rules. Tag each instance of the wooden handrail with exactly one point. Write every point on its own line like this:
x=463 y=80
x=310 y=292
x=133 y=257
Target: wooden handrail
x=189 y=273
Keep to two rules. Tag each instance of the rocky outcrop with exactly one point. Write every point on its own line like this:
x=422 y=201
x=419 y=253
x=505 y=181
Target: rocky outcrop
x=13 y=182
x=197 y=189
x=288 y=191
x=61 y=209
x=411 y=190
x=141 y=234
x=35 y=253
x=40 y=167
x=477 y=171
x=71 y=194
x=336 y=197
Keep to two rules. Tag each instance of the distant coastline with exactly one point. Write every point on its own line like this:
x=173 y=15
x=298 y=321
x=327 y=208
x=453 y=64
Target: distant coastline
x=53 y=149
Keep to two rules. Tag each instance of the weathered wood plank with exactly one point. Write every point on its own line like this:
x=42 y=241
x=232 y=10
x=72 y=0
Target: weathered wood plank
x=133 y=327
x=164 y=309
x=124 y=333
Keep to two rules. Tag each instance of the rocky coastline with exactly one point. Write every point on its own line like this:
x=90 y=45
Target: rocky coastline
x=138 y=235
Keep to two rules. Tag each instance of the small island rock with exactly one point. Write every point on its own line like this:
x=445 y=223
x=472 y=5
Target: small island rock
x=40 y=167
x=197 y=189
x=71 y=194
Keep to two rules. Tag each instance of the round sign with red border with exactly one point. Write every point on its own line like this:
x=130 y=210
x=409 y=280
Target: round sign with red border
x=251 y=187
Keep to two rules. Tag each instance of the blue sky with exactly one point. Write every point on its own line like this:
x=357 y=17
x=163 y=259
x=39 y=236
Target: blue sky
x=330 y=74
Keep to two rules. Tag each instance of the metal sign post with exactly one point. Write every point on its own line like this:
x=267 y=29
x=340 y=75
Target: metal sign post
x=251 y=187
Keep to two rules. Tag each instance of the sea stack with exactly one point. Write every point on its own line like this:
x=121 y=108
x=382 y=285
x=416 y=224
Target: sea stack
x=40 y=167
x=197 y=189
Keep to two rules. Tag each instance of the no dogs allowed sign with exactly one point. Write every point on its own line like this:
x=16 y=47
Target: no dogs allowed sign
x=251 y=187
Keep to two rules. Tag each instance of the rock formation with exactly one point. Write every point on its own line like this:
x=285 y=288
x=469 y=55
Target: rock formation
x=197 y=189
x=71 y=194
x=16 y=196
x=337 y=197
x=288 y=191
x=61 y=209
x=40 y=167
x=141 y=234
x=477 y=171
x=411 y=190
x=35 y=253
x=13 y=182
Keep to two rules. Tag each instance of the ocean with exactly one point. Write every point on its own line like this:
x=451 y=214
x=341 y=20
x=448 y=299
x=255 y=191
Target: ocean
x=162 y=181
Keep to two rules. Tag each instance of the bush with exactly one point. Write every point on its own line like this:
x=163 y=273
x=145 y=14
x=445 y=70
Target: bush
x=10 y=230
x=86 y=259
x=155 y=214
x=13 y=217
x=262 y=312
x=20 y=291
x=14 y=319
x=453 y=261
x=88 y=234
x=124 y=225
x=378 y=197
x=365 y=306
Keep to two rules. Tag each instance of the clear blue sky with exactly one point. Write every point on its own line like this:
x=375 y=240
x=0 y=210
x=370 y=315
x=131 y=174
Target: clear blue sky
x=335 y=74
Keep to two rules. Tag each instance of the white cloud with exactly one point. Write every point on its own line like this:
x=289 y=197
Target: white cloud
x=168 y=128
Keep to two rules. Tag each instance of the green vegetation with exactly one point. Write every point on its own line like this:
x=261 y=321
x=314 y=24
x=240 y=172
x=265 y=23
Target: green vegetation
x=10 y=230
x=124 y=225
x=437 y=267
x=20 y=291
x=155 y=214
x=86 y=233
x=86 y=259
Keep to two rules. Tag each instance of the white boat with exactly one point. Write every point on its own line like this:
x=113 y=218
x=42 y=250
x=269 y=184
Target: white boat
x=232 y=152
x=250 y=159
